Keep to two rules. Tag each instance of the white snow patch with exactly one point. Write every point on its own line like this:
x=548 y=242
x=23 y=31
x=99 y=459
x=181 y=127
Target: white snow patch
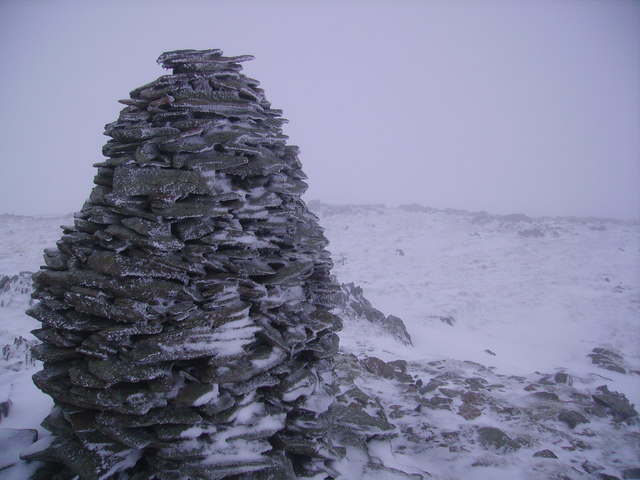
x=207 y=397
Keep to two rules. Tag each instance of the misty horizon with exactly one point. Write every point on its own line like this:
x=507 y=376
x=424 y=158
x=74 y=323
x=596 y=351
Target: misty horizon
x=525 y=107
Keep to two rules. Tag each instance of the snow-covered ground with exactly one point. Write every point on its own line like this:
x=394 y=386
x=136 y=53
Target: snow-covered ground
x=538 y=293
x=505 y=299
x=22 y=242
x=508 y=301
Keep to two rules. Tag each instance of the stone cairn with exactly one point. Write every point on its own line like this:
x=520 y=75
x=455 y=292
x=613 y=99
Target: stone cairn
x=186 y=323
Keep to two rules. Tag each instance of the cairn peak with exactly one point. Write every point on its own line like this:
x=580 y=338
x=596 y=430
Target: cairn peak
x=186 y=321
x=188 y=314
x=188 y=61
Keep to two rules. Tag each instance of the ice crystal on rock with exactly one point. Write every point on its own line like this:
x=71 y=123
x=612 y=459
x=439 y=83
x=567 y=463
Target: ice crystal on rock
x=186 y=315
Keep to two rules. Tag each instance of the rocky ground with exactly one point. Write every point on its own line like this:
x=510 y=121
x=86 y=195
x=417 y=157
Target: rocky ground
x=431 y=415
x=457 y=419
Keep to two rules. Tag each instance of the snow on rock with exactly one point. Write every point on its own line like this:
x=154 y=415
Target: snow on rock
x=14 y=441
x=187 y=314
x=487 y=306
x=464 y=287
x=431 y=403
x=22 y=406
x=356 y=307
x=189 y=320
x=519 y=428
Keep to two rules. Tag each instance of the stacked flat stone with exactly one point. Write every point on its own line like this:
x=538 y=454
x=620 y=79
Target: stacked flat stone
x=186 y=321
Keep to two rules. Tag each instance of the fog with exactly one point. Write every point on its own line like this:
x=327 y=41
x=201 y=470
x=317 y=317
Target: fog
x=529 y=106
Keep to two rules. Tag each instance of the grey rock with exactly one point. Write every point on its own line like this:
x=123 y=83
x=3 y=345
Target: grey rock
x=608 y=360
x=545 y=454
x=400 y=365
x=170 y=415
x=497 y=439
x=564 y=378
x=437 y=402
x=141 y=265
x=13 y=441
x=545 y=396
x=377 y=470
x=90 y=462
x=469 y=412
x=353 y=416
x=448 y=320
x=114 y=371
x=572 y=418
x=531 y=233
x=591 y=467
x=53 y=354
x=473 y=398
x=616 y=402
x=382 y=369
x=355 y=304
x=449 y=392
x=193 y=295
x=15 y=289
x=355 y=395
x=476 y=383
x=629 y=473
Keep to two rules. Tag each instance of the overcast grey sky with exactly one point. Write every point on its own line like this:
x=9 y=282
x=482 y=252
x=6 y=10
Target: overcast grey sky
x=505 y=106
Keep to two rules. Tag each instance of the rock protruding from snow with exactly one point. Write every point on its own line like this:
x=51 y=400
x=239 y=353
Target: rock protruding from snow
x=354 y=304
x=186 y=314
x=615 y=403
x=608 y=359
x=470 y=418
x=13 y=441
x=15 y=290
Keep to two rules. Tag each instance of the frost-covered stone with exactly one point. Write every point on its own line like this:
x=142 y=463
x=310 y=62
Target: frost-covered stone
x=617 y=403
x=572 y=418
x=385 y=370
x=354 y=304
x=469 y=412
x=13 y=441
x=546 y=453
x=630 y=473
x=188 y=321
x=496 y=438
x=14 y=289
x=608 y=360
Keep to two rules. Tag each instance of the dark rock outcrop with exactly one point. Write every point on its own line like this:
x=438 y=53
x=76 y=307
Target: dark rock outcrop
x=13 y=441
x=186 y=321
x=608 y=360
x=616 y=403
x=572 y=418
x=496 y=438
x=545 y=454
x=15 y=289
x=355 y=305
